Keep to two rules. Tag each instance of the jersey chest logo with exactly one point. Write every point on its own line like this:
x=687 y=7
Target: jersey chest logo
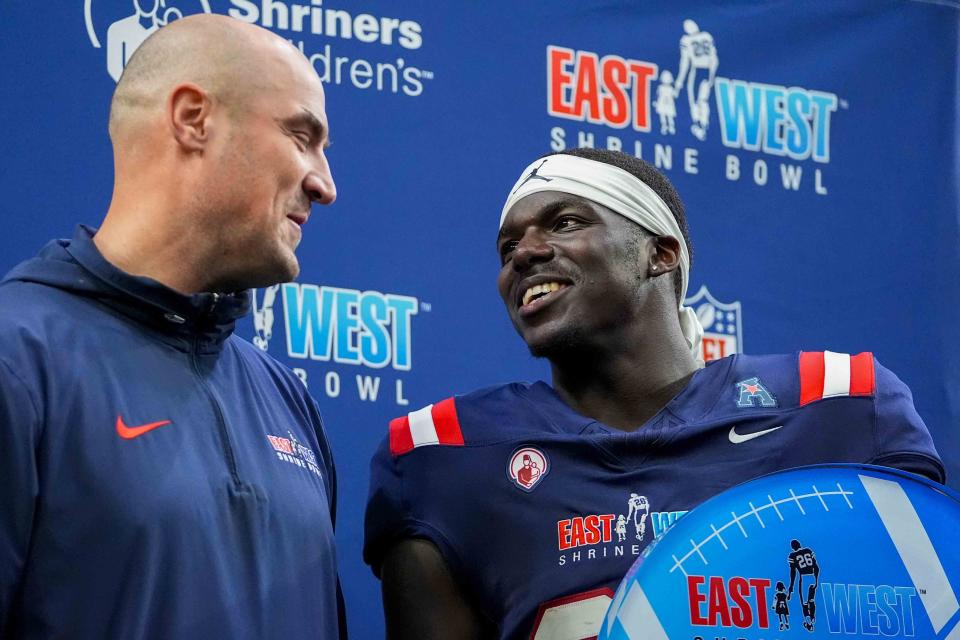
x=752 y=393
x=527 y=467
x=595 y=536
x=291 y=451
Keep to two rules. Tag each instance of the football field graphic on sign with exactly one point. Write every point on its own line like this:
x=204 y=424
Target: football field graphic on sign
x=831 y=551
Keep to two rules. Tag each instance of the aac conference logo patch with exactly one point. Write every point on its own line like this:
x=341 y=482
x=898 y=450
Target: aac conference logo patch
x=829 y=551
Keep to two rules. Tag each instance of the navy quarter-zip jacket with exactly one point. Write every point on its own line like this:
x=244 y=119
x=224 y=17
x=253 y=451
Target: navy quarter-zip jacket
x=159 y=476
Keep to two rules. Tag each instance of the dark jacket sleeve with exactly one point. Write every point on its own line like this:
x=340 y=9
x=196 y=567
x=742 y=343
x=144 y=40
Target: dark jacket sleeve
x=19 y=483
x=901 y=437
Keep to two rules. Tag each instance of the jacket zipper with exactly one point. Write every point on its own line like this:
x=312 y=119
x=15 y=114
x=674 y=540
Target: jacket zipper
x=229 y=454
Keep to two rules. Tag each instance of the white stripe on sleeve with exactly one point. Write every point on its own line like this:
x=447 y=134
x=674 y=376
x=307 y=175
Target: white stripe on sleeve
x=836 y=374
x=422 y=429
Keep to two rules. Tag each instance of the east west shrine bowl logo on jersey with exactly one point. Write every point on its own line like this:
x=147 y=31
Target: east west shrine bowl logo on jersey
x=611 y=535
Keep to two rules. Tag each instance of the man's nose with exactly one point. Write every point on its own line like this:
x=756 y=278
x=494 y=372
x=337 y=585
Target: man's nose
x=532 y=248
x=318 y=184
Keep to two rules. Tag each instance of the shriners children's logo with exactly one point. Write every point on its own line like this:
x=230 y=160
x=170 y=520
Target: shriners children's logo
x=527 y=467
x=128 y=30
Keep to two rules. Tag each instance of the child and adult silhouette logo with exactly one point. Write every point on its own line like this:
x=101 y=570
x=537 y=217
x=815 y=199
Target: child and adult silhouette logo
x=697 y=69
x=638 y=508
x=869 y=552
x=127 y=28
x=263 y=315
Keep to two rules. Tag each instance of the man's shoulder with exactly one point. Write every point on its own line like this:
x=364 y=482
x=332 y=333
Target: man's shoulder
x=31 y=310
x=805 y=377
x=21 y=298
x=488 y=416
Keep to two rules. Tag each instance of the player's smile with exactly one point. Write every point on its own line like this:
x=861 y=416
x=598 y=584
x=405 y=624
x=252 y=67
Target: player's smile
x=536 y=292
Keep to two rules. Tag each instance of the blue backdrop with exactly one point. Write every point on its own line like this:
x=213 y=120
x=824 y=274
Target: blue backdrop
x=815 y=146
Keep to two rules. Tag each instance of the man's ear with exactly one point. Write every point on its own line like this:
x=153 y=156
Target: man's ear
x=188 y=112
x=664 y=255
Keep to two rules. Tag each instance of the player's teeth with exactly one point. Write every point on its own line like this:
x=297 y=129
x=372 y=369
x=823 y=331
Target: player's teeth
x=537 y=289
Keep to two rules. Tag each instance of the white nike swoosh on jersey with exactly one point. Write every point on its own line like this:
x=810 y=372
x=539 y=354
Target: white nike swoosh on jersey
x=736 y=438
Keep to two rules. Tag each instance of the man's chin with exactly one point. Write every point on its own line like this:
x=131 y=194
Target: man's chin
x=293 y=270
x=558 y=346
x=287 y=268
x=278 y=274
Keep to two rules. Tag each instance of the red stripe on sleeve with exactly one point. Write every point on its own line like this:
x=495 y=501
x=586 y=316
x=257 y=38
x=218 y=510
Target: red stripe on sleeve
x=863 y=381
x=401 y=440
x=811 y=376
x=445 y=420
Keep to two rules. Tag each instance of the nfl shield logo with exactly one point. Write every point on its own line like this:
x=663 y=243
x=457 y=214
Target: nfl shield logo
x=722 y=329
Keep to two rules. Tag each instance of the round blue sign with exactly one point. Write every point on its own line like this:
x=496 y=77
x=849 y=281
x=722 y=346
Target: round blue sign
x=829 y=551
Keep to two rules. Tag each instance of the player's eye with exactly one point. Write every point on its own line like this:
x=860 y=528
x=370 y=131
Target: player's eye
x=506 y=250
x=567 y=223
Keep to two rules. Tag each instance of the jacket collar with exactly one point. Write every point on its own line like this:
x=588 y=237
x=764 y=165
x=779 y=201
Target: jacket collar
x=202 y=319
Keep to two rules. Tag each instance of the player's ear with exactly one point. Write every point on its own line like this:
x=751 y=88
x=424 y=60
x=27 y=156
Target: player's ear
x=664 y=255
x=188 y=114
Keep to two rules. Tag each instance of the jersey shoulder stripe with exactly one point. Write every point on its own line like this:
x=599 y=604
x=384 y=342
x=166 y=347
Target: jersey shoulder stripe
x=825 y=374
x=434 y=424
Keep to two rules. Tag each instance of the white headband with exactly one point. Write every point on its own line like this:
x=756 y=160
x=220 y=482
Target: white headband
x=619 y=191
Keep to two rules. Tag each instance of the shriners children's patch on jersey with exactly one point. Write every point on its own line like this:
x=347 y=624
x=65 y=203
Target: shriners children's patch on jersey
x=527 y=467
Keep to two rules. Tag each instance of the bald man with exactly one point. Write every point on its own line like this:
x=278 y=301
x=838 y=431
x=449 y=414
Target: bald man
x=160 y=477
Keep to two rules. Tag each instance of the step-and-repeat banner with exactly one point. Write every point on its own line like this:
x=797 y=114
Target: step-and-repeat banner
x=814 y=144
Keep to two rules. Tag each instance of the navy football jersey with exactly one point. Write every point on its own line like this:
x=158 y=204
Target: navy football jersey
x=539 y=511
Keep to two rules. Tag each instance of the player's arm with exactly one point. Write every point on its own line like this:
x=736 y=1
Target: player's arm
x=684 y=63
x=901 y=438
x=793 y=574
x=19 y=484
x=421 y=599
